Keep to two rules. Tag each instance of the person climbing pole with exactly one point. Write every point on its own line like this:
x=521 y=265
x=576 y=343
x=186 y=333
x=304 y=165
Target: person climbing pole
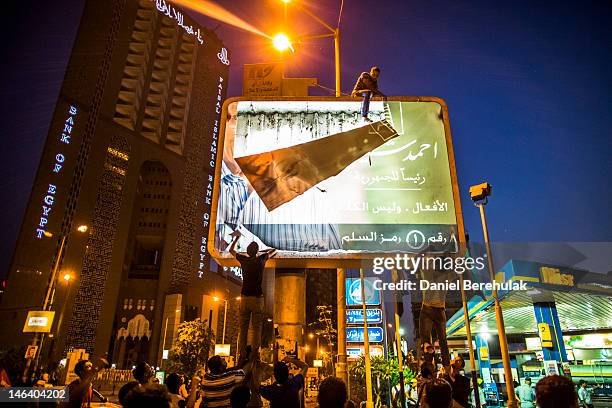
x=367 y=87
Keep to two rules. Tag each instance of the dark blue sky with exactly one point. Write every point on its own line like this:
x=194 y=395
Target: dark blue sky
x=527 y=84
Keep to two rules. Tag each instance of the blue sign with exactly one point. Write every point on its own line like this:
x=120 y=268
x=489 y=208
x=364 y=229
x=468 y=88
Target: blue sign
x=353 y=292
x=355 y=334
x=355 y=316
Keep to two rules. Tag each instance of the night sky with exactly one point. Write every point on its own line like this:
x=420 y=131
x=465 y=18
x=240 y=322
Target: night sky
x=527 y=85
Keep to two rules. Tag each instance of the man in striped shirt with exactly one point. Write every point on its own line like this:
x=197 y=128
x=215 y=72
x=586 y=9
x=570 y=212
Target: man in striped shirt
x=219 y=382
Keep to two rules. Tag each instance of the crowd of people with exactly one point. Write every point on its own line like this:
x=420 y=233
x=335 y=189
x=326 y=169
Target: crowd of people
x=220 y=387
x=245 y=384
x=239 y=387
x=448 y=388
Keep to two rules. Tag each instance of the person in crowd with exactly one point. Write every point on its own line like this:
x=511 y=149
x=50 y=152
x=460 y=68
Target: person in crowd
x=584 y=395
x=125 y=390
x=142 y=373
x=218 y=383
x=240 y=396
x=174 y=382
x=5 y=380
x=460 y=384
x=425 y=376
x=367 y=87
x=433 y=313
x=285 y=391
x=80 y=391
x=525 y=394
x=332 y=393
x=556 y=391
x=438 y=394
x=429 y=354
x=251 y=296
x=44 y=381
x=148 y=395
x=183 y=389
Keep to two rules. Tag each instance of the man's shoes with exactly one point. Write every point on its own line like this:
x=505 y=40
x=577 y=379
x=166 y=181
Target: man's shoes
x=366 y=119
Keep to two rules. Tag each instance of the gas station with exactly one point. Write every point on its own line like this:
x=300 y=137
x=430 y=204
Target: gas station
x=562 y=324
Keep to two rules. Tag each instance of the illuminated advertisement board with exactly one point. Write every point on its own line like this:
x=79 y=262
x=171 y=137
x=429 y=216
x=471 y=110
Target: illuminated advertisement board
x=311 y=178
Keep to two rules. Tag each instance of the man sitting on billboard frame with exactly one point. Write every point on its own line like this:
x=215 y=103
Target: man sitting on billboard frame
x=366 y=87
x=252 y=263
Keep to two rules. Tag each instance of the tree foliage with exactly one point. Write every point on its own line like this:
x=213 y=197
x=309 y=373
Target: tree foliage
x=190 y=351
x=385 y=375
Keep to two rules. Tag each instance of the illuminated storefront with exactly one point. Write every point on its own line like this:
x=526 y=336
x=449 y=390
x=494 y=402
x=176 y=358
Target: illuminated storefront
x=561 y=324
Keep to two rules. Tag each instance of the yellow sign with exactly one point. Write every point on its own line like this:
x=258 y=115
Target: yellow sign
x=38 y=321
x=262 y=79
x=555 y=277
x=317 y=363
x=484 y=353
x=545 y=335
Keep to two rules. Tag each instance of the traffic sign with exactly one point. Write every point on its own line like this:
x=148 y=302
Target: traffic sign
x=355 y=316
x=355 y=334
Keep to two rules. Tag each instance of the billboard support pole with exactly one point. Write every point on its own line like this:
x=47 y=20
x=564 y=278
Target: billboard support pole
x=366 y=345
x=468 y=333
x=341 y=296
x=398 y=345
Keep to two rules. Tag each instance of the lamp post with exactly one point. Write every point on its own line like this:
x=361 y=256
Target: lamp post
x=165 y=335
x=67 y=278
x=333 y=32
x=216 y=299
x=479 y=194
x=49 y=295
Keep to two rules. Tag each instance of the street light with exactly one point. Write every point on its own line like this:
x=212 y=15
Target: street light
x=216 y=299
x=50 y=293
x=165 y=335
x=334 y=32
x=480 y=194
x=67 y=278
x=282 y=43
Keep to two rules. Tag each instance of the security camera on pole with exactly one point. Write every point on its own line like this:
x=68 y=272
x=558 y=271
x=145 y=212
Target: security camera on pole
x=479 y=194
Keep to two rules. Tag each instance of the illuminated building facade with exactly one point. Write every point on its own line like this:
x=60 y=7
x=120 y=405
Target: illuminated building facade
x=131 y=154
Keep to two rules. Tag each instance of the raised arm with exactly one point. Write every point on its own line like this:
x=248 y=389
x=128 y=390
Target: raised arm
x=232 y=249
x=271 y=252
x=299 y=363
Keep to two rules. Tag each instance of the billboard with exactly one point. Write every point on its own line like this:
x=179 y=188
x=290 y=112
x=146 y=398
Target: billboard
x=311 y=178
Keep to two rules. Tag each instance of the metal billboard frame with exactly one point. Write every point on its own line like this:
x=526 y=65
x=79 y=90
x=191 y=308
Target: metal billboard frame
x=349 y=260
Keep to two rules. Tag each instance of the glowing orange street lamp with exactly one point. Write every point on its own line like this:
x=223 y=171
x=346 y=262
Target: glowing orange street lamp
x=282 y=43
